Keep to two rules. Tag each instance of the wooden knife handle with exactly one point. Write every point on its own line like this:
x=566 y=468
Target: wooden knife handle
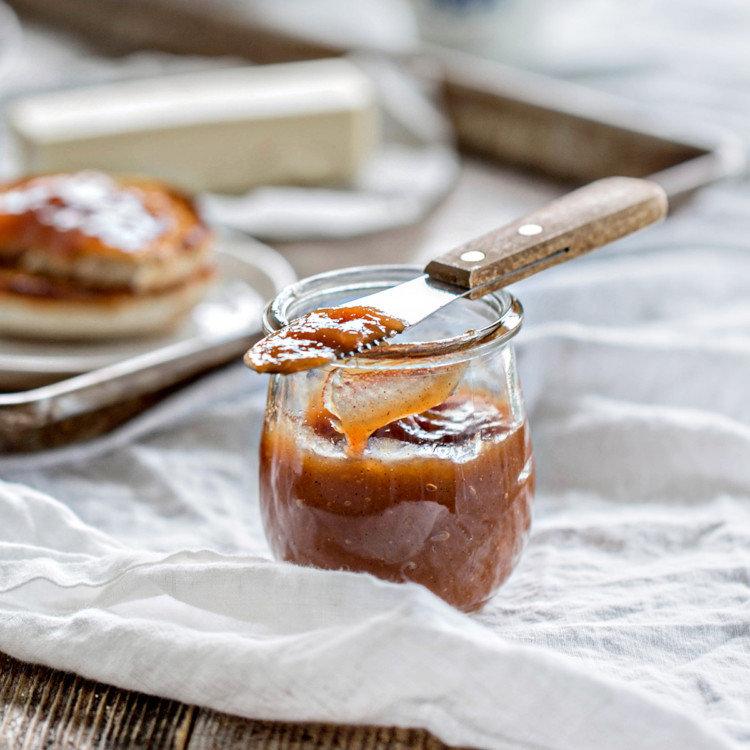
x=575 y=224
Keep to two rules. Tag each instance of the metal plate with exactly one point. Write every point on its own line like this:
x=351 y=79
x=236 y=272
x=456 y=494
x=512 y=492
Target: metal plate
x=120 y=379
x=249 y=275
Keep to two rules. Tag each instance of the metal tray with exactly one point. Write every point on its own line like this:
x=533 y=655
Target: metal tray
x=135 y=375
x=559 y=129
x=574 y=134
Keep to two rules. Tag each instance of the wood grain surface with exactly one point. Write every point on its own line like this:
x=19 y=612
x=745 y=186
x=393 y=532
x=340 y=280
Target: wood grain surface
x=577 y=223
x=46 y=708
x=123 y=26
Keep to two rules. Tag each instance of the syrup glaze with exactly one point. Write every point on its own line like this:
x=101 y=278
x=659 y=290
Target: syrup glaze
x=90 y=212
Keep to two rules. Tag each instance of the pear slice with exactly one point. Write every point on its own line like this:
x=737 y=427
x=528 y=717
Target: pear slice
x=365 y=400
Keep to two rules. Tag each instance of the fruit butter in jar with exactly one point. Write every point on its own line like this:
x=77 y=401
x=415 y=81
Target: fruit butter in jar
x=411 y=461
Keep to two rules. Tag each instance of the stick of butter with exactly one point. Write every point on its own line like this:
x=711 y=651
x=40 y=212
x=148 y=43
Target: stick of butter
x=220 y=130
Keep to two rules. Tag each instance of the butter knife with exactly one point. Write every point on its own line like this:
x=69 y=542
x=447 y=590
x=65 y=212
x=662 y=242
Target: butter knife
x=581 y=221
x=575 y=224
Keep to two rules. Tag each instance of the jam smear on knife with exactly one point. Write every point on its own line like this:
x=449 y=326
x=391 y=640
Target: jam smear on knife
x=320 y=337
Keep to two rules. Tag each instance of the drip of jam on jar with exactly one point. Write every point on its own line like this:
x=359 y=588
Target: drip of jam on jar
x=320 y=337
x=442 y=497
x=361 y=401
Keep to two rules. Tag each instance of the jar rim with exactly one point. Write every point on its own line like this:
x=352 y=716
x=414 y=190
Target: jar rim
x=299 y=298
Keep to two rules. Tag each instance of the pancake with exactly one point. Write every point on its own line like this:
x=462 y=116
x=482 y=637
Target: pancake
x=87 y=255
x=40 y=308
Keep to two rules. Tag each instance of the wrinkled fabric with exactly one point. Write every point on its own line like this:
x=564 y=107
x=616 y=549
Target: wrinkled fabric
x=625 y=625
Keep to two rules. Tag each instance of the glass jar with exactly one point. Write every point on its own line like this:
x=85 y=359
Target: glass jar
x=412 y=461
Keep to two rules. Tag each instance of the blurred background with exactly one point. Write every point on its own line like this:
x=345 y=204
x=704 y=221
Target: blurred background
x=679 y=67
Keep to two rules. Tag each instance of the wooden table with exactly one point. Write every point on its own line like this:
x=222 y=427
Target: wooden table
x=46 y=708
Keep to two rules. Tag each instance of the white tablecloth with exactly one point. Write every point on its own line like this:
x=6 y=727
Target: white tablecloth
x=139 y=560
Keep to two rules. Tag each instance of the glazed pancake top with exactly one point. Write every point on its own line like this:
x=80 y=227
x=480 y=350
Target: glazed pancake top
x=90 y=213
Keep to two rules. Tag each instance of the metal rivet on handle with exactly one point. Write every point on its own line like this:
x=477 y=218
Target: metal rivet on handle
x=529 y=230
x=472 y=256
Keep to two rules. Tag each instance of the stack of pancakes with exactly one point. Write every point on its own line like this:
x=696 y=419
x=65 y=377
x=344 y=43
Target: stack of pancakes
x=89 y=256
